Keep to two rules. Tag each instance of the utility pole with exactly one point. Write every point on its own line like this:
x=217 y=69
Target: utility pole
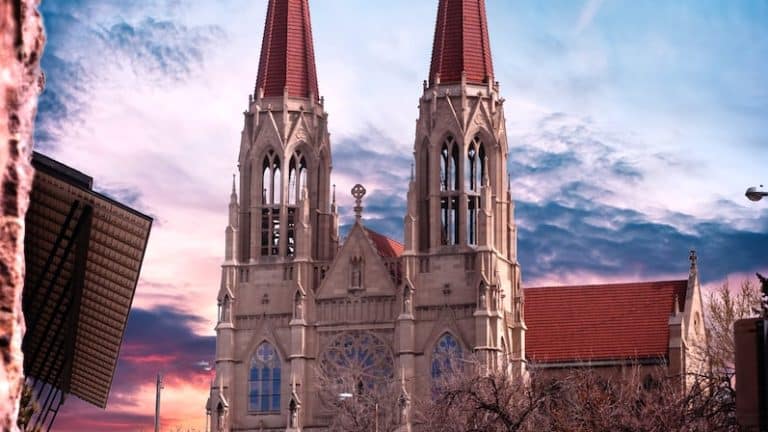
x=157 y=401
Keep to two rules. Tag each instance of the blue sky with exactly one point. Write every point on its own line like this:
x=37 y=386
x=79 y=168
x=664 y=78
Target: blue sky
x=634 y=129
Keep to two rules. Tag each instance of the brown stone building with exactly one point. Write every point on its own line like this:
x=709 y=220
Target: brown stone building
x=294 y=298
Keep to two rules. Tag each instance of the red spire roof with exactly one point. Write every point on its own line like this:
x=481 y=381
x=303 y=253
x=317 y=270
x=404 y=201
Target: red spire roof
x=601 y=322
x=461 y=43
x=287 y=55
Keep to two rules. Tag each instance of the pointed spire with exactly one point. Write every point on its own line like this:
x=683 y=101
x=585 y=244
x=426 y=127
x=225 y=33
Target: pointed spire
x=333 y=200
x=233 y=195
x=287 y=64
x=461 y=44
x=676 y=306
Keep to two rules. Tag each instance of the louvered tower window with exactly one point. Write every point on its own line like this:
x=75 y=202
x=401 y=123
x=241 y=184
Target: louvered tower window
x=449 y=192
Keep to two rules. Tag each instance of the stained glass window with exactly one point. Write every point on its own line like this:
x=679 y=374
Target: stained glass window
x=361 y=356
x=446 y=358
x=264 y=380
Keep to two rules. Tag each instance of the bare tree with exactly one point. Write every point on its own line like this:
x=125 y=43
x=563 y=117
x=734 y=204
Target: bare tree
x=631 y=399
x=722 y=309
x=361 y=403
x=638 y=399
x=476 y=399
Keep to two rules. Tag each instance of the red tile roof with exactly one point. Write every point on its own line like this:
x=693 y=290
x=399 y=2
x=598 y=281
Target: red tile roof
x=461 y=43
x=287 y=55
x=386 y=246
x=600 y=322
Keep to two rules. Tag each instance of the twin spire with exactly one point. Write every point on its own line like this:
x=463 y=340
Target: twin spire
x=287 y=55
x=461 y=43
x=287 y=61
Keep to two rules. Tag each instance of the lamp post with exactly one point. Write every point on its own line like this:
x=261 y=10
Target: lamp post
x=755 y=195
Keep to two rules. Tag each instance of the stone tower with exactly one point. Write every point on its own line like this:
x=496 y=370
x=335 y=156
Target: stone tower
x=281 y=234
x=460 y=235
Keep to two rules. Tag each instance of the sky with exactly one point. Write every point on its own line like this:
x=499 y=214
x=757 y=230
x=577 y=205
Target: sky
x=634 y=129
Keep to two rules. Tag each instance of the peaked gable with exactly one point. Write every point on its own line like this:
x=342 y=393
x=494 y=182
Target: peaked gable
x=375 y=278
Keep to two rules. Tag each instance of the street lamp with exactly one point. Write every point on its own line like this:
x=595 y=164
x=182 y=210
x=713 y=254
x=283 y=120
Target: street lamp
x=755 y=195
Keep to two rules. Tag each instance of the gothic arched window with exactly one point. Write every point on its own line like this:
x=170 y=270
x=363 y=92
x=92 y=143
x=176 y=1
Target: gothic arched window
x=446 y=359
x=266 y=181
x=271 y=198
x=297 y=179
x=360 y=356
x=475 y=172
x=449 y=189
x=264 y=380
x=449 y=165
x=224 y=315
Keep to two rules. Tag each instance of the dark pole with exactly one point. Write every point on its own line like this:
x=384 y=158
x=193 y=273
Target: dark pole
x=762 y=354
x=157 y=402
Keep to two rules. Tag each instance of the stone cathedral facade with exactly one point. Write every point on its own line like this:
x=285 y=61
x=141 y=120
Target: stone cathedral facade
x=294 y=297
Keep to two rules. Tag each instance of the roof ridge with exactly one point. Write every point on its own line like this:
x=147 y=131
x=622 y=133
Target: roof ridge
x=392 y=251
x=383 y=235
x=610 y=284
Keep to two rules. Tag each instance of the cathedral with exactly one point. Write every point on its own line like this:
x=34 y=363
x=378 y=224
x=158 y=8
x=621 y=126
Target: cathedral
x=295 y=298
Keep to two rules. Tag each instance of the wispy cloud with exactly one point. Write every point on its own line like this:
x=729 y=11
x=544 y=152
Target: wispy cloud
x=85 y=50
x=588 y=12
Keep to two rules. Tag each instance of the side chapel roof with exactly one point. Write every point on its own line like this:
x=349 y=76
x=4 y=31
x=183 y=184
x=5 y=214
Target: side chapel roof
x=385 y=246
x=601 y=322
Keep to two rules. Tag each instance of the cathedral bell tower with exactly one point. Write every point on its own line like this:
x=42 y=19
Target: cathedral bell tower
x=459 y=230
x=285 y=146
x=281 y=236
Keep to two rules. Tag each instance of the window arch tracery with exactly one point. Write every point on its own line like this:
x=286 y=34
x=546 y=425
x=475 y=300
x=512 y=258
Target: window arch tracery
x=474 y=175
x=359 y=355
x=297 y=177
x=264 y=379
x=297 y=180
x=271 y=198
x=446 y=358
x=450 y=186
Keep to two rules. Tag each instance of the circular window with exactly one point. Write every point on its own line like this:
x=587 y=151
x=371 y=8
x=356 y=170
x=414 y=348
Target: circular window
x=359 y=355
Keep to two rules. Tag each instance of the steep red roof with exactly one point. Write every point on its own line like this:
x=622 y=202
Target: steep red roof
x=461 y=43
x=287 y=54
x=600 y=322
x=386 y=246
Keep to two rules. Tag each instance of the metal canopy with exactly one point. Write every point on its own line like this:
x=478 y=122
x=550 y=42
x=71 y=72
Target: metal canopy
x=83 y=255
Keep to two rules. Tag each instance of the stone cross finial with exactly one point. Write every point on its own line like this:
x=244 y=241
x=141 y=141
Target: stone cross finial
x=692 y=257
x=358 y=191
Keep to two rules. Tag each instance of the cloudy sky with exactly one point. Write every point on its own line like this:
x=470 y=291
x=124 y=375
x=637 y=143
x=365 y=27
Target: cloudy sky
x=634 y=129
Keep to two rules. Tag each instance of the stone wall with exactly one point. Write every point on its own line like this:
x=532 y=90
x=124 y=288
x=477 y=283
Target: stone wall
x=21 y=45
